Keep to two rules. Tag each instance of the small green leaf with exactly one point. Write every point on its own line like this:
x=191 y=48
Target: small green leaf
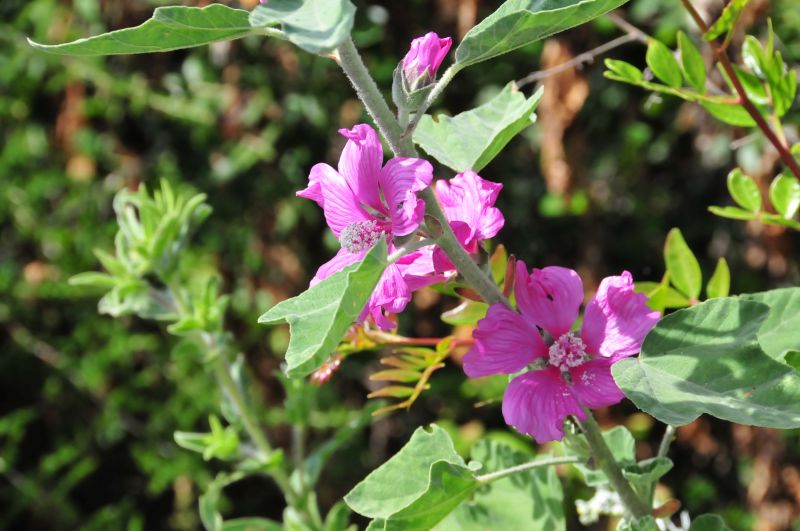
x=784 y=193
x=709 y=522
x=723 y=357
x=517 y=23
x=251 y=523
x=732 y=213
x=744 y=190
x=316 y=26
x=792 y=359
x=395 y=375
x=754 y=57
x=693 y=67
x=471 y=140
x=93 y=280
x=731 y=114
x=719 y=284
x=319 y=317
x=170 y=28
x=726 y=20
x=663 y=64
x=682 y=266
x=624 y=71
x=467 y=313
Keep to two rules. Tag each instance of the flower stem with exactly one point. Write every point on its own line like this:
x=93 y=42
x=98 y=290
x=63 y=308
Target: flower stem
x=500 y=474
x=445 y=80
x=669 y=436
x=722 y=55
x=606 y=462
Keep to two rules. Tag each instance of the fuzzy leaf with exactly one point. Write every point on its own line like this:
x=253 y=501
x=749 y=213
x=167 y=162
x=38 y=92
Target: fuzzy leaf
x=470 y=140
x=170 y=28
x=520 y=22
x=316 y=26
x=319 y=317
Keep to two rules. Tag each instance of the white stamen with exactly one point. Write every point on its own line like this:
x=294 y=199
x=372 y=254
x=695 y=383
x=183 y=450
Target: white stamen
x=567 y=352
x=360 y=236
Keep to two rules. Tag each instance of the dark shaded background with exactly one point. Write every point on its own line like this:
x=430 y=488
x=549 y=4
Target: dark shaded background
x=88 y=404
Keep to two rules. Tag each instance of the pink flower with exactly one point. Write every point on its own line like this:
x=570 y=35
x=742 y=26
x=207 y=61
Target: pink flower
x=468 y=202
x=364 y=200
x=424 y=58
x=575 y=370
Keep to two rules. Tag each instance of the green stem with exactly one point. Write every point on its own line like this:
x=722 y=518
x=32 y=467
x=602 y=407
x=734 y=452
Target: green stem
x=500 y=474
x=371 y=96
x=445 y=80
x=606 y=462
x=666 y=440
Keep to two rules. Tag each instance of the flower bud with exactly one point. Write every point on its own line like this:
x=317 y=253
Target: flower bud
x=422 y=61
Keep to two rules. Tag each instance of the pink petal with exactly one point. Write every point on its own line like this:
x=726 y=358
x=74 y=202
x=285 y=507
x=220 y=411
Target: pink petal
x=360 y=163
x=469 y=199
x=391 y=295
x=399 y=181
x=537 y=402
x=341 y=260
x=593 y=384
x=505 y=343
x=617 y=319
x=550 y=297
x=330 y=191
x=425 y=55
x=417 y=269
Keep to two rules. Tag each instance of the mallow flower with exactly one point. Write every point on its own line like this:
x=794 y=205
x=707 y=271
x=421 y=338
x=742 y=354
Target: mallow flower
x=572 y=372
x=364 y=200
x=424 y=59
x=468 y=202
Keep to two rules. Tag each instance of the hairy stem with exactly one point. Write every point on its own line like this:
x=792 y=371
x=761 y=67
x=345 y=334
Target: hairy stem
x=666 y=441
x=606 y=462
x=376 y=106
x=722 y=56
x=445 y=80
x=500 y=474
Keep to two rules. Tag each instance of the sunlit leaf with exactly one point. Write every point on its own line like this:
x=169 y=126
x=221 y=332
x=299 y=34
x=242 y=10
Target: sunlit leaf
x=682 y=266
x=317 y=26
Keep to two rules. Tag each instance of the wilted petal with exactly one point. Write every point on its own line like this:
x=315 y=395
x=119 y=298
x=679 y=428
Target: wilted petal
x=341 y=260
x=617 y=319
x=593 y=384
x=400 y=180
x=360 y=164
x=537 y=402
x=505 y=343
x=330 y=191
x=550 y=297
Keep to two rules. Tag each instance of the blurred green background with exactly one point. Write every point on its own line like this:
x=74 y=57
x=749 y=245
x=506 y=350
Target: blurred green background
x=88 y=404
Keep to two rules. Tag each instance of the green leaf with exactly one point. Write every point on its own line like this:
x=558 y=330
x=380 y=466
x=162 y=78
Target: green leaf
x=709 y=522
x=744 y=190
x=316 y=26
x=416 y=487
x=719 y=284
x=520 y=22
x=528 y=500
x=624 y=71
x=645 y=474
x=319 y=317
x=692 y=62
x=645 y=523
x=467 y=313
x=682 y=266
x=93 y=280
x=732 y=213
x=754 y=57
x=251 y=524
x=726 y=20
x=792 y=359
x=784 y=193
x=707 y=359
x=470 y=140
x=731 y=114
x=663 y=64
x=622 y=446
x=170 y=28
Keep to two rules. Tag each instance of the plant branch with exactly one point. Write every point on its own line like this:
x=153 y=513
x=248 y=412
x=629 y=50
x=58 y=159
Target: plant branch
x=666 y=440
x=755 y=114
x=500 y=474
x=577 y=61
x=606 y=462
x=445 y=80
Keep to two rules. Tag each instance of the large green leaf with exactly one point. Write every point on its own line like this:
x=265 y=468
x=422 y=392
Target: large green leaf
x=520 y=22
x=470 y=140
x=528 y=500
x=170 y=28
x=317 y=26
x=417 y=487
x=721 y=357
x=319 y=317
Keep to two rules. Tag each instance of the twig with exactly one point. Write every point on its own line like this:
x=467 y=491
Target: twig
x=629 y=28
x=578 y=61
x=761 y=123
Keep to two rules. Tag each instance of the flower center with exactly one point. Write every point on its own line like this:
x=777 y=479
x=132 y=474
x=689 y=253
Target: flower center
x=360 y=236
x=568 y=351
